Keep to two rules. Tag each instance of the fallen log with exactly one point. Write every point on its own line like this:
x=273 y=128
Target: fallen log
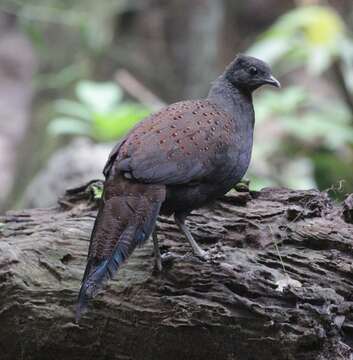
x=278 y=286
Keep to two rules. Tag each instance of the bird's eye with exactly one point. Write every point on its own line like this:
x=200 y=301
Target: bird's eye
x=252 y=70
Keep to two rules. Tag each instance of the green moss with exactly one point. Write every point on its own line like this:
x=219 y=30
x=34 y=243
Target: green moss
x=97 y=192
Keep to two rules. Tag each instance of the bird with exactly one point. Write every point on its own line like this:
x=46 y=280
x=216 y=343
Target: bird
x=178 y=159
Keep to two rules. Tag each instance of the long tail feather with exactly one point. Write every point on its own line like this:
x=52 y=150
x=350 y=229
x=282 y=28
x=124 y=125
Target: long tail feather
x=123 y=222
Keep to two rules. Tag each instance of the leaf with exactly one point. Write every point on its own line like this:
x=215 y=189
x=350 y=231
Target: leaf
x=324 y=27
x=260 y=182
x=113 y=125
x=73 y=109
x=62 y=78
x=97 y=192
x=308 y=34
x=99 y=97
x=68 y=126
x=280 y=103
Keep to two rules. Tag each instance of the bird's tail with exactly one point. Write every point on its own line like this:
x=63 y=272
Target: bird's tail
x=126 y=219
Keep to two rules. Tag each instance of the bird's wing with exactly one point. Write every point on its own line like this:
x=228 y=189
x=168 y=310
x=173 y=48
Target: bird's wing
x=180 y=144
x=112 y=157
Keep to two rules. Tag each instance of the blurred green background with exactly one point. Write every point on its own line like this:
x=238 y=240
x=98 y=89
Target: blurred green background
x=76 y=75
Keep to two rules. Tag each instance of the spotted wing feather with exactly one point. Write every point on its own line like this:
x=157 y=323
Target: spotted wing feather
x=178 y=145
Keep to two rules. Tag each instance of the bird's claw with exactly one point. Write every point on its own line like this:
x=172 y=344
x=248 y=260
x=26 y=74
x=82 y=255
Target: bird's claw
x=166 y=259
x=202 y=255
x=211 y=256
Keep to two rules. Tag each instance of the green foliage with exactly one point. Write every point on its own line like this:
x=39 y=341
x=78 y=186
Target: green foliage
x=307 y=141
x=309 y=133
x=82 y=32
x=99 y=113
x=309 y=138
x=325 y=124
x=314 y=35
x=89 y=20
x=331 y=170
x=97 y=192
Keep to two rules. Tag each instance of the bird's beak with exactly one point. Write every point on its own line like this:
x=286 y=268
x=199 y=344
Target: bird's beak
x=273 y=81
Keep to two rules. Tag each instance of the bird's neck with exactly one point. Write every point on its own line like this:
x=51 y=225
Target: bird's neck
x=237 y=102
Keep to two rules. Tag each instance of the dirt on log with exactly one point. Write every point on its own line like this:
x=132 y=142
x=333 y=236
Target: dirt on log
x=279 y=285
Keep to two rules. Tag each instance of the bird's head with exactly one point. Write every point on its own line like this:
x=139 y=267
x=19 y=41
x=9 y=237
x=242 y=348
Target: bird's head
x=249 y=73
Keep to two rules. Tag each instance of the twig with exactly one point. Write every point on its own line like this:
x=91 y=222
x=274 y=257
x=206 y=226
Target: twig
x=277 y=250
x=132 y=86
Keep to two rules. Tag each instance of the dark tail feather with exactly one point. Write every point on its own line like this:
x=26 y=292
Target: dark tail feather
x=97 y=273
x=87 y=287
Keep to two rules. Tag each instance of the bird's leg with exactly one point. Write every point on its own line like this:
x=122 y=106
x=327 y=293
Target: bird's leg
x=157 y=253
x=180 y=221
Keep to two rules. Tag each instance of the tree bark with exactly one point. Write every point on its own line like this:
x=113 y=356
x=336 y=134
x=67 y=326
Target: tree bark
x=278 y=285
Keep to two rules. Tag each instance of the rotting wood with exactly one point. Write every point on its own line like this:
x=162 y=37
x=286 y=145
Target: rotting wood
x=238 y=306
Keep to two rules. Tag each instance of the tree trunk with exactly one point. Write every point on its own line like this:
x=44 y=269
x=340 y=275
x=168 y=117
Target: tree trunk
x=279 y=285
x=17 y=66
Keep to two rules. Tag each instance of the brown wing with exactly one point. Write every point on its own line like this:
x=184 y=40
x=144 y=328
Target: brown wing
x=182 y=143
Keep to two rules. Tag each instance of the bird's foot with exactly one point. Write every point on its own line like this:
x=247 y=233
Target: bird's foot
x=202 y=254
x=213 y=255
x=166 y=260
